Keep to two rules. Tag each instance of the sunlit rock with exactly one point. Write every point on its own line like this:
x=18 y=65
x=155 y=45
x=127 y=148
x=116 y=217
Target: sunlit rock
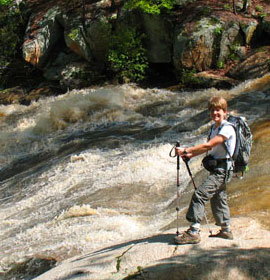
x=41 y=37
x=255 y=65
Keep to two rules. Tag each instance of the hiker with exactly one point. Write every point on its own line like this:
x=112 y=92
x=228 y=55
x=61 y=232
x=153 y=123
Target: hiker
x=214 y=186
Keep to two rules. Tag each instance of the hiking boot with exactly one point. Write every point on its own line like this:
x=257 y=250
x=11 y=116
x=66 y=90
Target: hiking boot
x=223 y=234
x=187 y=237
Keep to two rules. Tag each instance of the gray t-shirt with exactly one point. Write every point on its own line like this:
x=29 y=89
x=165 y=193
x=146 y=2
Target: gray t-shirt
x=219 y=151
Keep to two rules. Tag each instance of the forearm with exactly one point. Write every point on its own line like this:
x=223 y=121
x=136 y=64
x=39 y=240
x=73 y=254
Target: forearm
x=201 y=148
x=197 y=150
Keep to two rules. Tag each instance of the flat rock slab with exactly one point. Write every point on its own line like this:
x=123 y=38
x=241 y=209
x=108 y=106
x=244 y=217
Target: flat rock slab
x=157 y=257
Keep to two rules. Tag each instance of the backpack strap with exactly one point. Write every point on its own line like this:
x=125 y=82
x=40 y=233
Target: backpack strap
x=226 y=145
x=225 y=142
x=209 y=135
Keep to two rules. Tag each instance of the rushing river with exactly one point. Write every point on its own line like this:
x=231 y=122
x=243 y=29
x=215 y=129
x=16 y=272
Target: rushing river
x=91 y=168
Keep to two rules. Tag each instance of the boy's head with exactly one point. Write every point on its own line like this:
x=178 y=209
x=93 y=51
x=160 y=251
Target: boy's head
x=217 y=102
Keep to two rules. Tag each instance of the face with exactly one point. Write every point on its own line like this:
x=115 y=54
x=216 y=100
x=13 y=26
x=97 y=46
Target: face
x=218 y=115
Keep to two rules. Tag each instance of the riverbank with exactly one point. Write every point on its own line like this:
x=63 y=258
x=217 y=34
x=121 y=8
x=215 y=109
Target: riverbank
x=156 y=257
x=90 y=173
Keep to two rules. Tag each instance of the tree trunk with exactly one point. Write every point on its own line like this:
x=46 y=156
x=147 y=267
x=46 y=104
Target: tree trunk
x=245 y=5
x=234 y=8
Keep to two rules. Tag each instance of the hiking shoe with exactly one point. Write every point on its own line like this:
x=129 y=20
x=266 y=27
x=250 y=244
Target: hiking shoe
x=187 y=237
x=223 y=234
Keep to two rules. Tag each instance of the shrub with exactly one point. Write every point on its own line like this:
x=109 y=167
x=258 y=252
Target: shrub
x=127 y=56
x=188 y=78
x=150 y=6
x=220 y=64
x=227 y=7
x=259 y=8
x=233 y=52
x=11 y=32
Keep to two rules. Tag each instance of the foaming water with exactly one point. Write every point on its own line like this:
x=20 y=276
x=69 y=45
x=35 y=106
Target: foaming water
x=91 y=168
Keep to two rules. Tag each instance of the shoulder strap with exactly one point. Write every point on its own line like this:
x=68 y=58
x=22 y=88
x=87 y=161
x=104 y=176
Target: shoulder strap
x=225 y=142
x=211 y=129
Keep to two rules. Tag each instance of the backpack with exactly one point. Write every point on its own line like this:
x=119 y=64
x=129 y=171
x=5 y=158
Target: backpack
x=243 y=144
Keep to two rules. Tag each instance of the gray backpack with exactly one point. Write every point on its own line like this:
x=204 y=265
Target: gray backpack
x=243 y=145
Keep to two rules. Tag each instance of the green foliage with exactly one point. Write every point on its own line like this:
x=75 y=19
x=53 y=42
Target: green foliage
x=259 y=8
x=11 y=23
x=214 y=21
x=218 y=30
x=220 y=64
x=6 y=2
x=188 y=77
x=73 y=34
x=233 y=52
x=150 y=6
x=227 y=7
x=127 y=56
x=205 y=11
x=262 y=15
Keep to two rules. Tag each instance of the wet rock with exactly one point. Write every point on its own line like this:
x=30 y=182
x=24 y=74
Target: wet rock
x=208 y=80
x=193 y=122
x=12 y=95
x=18 y=95
x=78 y=75
x=30 y=269
x=157 y=256
x=255 y=65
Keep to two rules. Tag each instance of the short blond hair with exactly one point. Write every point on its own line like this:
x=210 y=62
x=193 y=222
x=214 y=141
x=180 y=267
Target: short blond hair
x=217 y=102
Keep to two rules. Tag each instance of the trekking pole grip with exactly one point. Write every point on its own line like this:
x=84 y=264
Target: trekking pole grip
x=177 y=145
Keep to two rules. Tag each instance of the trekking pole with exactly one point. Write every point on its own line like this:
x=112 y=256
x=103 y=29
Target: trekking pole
x=192 y=179
x=177 y=186
x=177 y=191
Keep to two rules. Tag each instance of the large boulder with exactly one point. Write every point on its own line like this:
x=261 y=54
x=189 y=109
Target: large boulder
x=53 y=70
x=78 y=75
x=228 y=38
x=192 y=38
x=255 y=65
x=249 y=27
x=207 y=42
x=98 y=35
x=75 y=40
x=193 y=45
x=89 y=40
x=41 y=37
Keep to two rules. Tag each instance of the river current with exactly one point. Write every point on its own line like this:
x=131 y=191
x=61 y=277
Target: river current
x=91 y=168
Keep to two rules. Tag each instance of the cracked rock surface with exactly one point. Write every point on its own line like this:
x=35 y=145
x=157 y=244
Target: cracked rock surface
x=157 y=257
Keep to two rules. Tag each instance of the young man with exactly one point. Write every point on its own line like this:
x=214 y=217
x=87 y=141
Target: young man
x=214 y=186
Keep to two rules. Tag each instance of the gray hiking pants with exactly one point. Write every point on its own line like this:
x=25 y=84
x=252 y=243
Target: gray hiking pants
x=214 y=189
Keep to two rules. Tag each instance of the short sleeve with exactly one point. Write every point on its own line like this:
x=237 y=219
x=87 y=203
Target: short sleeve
x=227 y=131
